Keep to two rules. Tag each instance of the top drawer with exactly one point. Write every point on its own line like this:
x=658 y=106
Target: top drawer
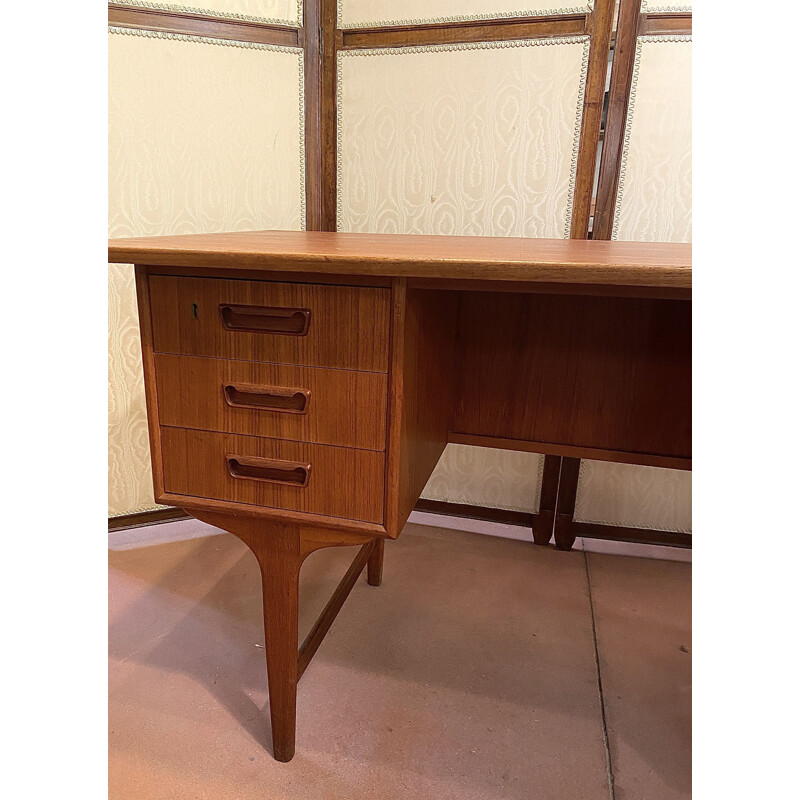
x=291 y=323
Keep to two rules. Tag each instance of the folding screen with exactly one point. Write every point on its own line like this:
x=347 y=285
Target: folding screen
x=471 y=131
x=205 y=135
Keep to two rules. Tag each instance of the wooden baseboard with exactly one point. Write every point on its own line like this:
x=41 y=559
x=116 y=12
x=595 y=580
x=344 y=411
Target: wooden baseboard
x=588 y=530
x=592 y=530
x=519 y=518
x=143 y=518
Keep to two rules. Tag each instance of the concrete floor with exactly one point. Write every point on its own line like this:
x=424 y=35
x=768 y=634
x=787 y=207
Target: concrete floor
x=483 y=668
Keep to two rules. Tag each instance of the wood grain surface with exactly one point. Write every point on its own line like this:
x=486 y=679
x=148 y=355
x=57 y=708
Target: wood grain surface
x=484 y=30
x=596 y=372
x=342 y=483
x=451 y=257
x=344 y=407
x=349 y=327
x=421 y=382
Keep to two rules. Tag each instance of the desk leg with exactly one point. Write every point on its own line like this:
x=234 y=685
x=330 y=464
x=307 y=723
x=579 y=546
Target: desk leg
x=375 y=564
x=564 y=529
x=543 y=521
x=277 y=550
x=280 y=551
x=280 y=573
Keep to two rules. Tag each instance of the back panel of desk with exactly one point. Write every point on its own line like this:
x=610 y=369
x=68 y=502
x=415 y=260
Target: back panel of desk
x=601 y=373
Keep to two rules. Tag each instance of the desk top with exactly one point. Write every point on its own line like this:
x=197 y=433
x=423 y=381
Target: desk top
x=456 y=258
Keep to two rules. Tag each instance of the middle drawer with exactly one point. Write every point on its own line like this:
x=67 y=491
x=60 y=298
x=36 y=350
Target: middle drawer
x=306 y=404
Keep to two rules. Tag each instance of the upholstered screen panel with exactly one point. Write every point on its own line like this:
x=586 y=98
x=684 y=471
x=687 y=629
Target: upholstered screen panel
x=654 y=198
x=365 y=13
x=205 y=136
x=654 y=203
x=486 y=477
x=282 y=12
x=487 y=148
x=635 y=497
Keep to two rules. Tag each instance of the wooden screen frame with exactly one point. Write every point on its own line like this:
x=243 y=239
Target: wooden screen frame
x=632 y=24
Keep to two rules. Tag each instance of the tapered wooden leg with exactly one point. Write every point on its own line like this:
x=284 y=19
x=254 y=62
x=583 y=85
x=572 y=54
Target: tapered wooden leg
x=543 y=521
x=375 y=564
x=280 y=572
x=280 y=550
x=564 y=530
x=277 y=549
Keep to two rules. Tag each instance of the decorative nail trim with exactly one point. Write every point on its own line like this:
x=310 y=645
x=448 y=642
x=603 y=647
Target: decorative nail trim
x=576 y=141
x=661 y=9
x=207 y=12
x=547 y=12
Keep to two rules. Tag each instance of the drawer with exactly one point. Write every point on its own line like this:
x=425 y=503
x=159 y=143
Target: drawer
x=307 y=404
x=343 y=327
x=296 y=476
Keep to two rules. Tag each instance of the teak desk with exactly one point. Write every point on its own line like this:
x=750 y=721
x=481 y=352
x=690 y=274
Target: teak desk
x=302 y=386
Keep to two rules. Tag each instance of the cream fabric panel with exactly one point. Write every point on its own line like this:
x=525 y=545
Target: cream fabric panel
x=654 y=203
x=654 y=200
x=204 y=136
x=364 y=13
x=478 y=139
x=284 y=12
x=486 y=477
x=489 y=148
x=634 y=497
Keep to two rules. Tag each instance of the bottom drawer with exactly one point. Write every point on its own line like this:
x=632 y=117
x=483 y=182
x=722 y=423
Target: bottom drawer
x=316 y=479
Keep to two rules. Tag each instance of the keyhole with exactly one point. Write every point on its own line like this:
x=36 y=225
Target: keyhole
x=194 y=310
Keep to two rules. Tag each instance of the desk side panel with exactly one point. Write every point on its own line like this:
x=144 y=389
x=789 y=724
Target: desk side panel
x=149 y=369
x=422 y=381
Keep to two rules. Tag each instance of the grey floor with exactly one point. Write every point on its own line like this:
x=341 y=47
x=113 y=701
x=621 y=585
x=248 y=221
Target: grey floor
x=481 y=668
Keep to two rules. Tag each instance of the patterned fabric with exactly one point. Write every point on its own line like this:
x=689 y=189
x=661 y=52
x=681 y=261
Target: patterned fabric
x=654 y=199
x=634 y=497
x=488 y=148
x=482 y=476
x=204 y=136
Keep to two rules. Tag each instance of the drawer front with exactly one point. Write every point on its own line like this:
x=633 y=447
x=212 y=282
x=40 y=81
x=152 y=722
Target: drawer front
x=342 y=327
x=296 y=476
x=307 y=404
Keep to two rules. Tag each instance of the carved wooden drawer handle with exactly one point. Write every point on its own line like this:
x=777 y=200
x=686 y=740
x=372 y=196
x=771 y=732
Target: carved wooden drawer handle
x=268 y=398
x=270 y=470
x=258 y=319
